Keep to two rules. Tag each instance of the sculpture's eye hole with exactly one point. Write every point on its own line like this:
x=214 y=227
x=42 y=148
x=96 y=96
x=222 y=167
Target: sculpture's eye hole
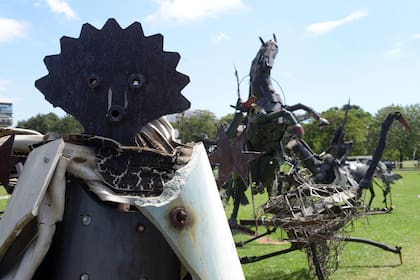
x=136 y=81
x=94 y=81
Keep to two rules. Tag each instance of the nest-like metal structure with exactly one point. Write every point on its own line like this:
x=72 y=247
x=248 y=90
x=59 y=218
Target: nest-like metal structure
x=313 y=215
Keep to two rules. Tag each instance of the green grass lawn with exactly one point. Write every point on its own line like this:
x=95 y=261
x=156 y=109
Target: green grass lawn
x=358 y=261
x=3 y=200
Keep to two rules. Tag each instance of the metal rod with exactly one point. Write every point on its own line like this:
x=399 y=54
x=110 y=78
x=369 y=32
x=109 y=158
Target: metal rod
x=242 y=243
x=396 y=250
x=246 y=259
x=315 y=259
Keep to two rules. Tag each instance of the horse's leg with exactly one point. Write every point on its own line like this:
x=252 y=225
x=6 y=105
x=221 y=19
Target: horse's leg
x=238 y=188
x=372 y=195
x=236 y=202
x=386 y=191
x=310 y=111
x=269 y=173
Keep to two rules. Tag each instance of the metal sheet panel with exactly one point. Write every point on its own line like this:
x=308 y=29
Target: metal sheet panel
x=195 y=223
x=30 y=189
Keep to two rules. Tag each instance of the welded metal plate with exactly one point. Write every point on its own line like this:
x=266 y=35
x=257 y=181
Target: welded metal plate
x=114 y=80
x=30 y=189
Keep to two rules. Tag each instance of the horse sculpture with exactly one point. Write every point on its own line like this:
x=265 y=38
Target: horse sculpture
x=313 y=207
x=266 y=122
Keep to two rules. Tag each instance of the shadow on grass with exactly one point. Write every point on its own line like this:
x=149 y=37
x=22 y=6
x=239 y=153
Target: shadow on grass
x=295 y=275
x=370 y=266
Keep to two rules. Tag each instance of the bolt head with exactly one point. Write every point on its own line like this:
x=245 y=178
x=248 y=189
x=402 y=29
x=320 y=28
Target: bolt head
x=179 y=217
x=86 y=219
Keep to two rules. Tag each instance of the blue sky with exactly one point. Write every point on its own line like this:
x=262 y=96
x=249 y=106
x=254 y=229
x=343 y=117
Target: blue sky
x=329 y=51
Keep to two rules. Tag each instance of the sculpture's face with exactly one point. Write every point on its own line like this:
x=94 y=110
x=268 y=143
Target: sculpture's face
x=114 y=80
x=269 y=51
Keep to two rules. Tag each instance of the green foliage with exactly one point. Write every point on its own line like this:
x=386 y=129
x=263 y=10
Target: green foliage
x=3 y=199
x=196 y=125
x=355 y=129
x=400 y=144
x=227 y=119
x=47 y=123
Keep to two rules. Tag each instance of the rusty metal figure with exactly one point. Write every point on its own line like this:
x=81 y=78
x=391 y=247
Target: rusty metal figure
x=383 y=178
x=312 y=197
x=366 y=182
x=265 y=124
x=124 y=200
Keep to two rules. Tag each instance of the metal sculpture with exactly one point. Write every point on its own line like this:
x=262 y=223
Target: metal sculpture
x=315 y=212
x=383 y=178
x=366 y=182
x=312 y=197
x=124 y=200
x=321 y=166
x=265 y=125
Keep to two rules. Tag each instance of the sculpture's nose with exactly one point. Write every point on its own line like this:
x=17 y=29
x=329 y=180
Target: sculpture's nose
x=269 y=62
x=115 y=112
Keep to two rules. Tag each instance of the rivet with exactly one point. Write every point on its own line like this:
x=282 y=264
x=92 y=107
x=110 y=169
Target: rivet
x=140 y=228
x=84 y=276
x=86 y=219
x=46 y=159
x=179 y=217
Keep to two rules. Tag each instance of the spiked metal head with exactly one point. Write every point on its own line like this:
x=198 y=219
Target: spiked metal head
x=114 y=80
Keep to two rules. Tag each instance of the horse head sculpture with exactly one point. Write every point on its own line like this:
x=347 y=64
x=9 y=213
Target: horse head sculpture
x=260 y=81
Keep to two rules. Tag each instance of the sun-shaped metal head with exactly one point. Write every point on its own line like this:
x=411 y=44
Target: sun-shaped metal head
x=114 y=80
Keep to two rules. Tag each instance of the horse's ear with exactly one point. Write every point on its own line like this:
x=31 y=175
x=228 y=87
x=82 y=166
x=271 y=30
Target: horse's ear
x=274 y=37
x=262 y=41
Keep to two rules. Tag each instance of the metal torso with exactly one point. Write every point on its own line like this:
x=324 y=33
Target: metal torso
x=96 y=241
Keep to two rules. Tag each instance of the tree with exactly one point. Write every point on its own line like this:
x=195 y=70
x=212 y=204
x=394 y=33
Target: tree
x=196 y=125
x=227 y=119
x=400 y=144
x=355 y=129
x=45 y=123
x=413 y=117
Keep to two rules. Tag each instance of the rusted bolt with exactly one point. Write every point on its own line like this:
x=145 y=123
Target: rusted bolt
x=140 y=228
x=179 y=217
x=94 y=81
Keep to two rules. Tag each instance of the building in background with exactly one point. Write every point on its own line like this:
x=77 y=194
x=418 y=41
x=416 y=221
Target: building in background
x=6 y=113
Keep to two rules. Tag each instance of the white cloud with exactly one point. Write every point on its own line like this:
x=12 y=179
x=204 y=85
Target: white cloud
x=395 y=52
x=415 y=36
x=327 y=26
x=220 y=37
x=193 y=10
x=61 y=7
x=11 y=29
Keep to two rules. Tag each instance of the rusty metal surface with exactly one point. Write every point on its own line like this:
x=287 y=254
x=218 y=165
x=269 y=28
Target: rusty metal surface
x=230 y=156
x=194 y=225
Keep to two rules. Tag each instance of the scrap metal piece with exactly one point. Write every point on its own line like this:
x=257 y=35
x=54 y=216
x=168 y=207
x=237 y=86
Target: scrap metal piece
x=6 y=149
x=141 y=171
x=114 y=80
x=29 y=191
x=230 y=155
x=192 y=225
